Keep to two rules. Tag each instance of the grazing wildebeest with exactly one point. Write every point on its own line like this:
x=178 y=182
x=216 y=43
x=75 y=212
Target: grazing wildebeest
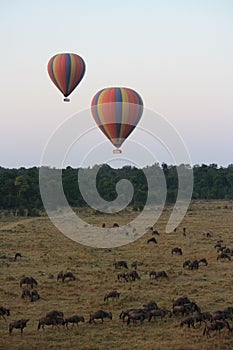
x=216 y=326
x=203 y=261
x=180 y=301
x=194 y=265
x=151 y=305
x=34 y=295
x=155 y=232
x=186 y=263
x=19 y=324
x=189 y=321
x=99 y=315
x=208 y=234
x=112 y=295
x=121 y=263
x=29 y=281
x=134 y=265
x=50 y=321
x=158 y=313
x=126 y=313
x=65 y=275
x=4 y=312
x=133 y=275
x=17 y=255
x=223 y=256
x=54 y=313
x=74 y=320
x=116 y=224
x=152 y=240
x=136 y=316
x=123 y=276
x=177 y=251
x=159 y=274
x=26 y=294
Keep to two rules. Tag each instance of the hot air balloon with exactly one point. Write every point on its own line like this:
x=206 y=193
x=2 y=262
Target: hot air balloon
x=117 y=111
x=66 y=70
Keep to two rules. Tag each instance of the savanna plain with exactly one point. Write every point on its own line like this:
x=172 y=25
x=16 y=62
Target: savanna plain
x=45 y=251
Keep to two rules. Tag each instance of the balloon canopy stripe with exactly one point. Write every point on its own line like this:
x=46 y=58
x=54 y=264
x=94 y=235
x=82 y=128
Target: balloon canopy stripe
x=117 y=111
x=66 y=70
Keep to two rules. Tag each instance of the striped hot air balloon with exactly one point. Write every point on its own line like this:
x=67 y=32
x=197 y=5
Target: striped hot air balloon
x=117 y=111
x=66 y=70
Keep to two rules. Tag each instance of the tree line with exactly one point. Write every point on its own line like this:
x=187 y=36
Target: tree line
x=20 y=192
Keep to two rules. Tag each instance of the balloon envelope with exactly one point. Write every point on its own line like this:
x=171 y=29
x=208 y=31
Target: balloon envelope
x=66 y=70
x=117 y=111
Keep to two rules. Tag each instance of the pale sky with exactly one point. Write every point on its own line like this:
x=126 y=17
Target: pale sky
x=178 y=54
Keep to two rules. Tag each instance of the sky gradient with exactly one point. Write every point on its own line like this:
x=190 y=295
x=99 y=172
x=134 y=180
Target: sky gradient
x=177 y=54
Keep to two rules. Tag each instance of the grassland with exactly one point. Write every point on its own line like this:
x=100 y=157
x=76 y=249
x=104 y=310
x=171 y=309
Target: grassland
x=46 y=252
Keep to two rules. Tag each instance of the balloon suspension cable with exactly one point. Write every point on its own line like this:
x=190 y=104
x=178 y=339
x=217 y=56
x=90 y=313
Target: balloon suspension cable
x=66 y=99
x=117 y=151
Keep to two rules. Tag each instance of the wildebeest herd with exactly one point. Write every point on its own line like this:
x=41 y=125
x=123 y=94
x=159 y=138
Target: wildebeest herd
x=183 y=309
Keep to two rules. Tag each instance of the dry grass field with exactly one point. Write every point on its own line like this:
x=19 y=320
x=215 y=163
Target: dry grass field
x=45 y=252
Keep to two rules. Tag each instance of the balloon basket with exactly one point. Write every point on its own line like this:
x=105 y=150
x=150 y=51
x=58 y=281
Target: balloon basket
x=117 y=151
x=66 y=99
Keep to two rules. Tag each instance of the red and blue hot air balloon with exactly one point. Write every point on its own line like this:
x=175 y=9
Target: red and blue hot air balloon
x=117 y=111
x=66 y=70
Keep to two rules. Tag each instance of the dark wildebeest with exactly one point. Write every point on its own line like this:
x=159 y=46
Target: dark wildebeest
x=189 y=321
x=194 y=265
x=65 y=275
x=151 y=305
x=50 y=321
x=26 y=294
x=184 y=231
x=74 y=320
x=186 y=263
x=127 y=312
x=17 y=255
x=136 y=316
x=159 y=274
x=29 y=281
x=155 y=232
x=133 y=275
x=34 y=295
x=134 y=265
x=99 y=315
x=4 y=312
x=54 y=314
x=112 y=295
x=216 y=326
x=203 y=261
x=208 y=234
x=152 y=240
x=116 y=224
x=19 y=324
x=121 y=263
x=123 y=276
x=103 y=225
x=177 y=251
x=158 y=313
x=223 y=256
x=180 y=301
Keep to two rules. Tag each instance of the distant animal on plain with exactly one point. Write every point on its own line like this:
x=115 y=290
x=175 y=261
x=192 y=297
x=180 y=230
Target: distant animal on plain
x=29 y=281
x=152 y=240
x=4 y=312
x=100 y=315
x=67 y=275
x=112 y=295
x=177 y=251
x=19 y=324
x=74 y=320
